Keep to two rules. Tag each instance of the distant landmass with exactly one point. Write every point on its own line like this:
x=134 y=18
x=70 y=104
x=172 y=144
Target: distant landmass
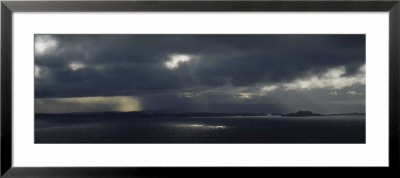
x=302 y=114
x=145 y=114
x=347 y=114
x=309 y=113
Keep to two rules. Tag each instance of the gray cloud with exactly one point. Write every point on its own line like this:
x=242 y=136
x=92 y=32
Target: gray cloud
x=223 y=70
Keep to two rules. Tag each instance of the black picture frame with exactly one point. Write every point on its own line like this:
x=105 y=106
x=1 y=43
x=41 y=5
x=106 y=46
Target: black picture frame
x=8 y=7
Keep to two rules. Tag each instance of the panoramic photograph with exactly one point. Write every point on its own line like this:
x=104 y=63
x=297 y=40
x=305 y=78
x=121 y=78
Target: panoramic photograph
x=199 y=88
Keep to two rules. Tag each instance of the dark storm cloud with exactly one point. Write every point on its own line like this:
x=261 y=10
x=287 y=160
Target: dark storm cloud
x=210 y=73
x=132 y=64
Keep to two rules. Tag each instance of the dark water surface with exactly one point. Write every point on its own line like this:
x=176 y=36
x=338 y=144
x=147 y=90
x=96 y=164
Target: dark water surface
x=236 y=129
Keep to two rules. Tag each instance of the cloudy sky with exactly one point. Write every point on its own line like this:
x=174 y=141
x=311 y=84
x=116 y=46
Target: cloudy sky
x=200 y=73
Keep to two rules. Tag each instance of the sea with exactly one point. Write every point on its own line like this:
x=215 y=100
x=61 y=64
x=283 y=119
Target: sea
x=204 y=130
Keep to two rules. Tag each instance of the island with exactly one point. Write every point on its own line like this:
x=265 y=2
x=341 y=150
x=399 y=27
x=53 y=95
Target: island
x=348 y=114
x=302 y=114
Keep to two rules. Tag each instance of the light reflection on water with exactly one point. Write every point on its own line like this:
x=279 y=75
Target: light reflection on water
x=324 y=129
x=201 y=126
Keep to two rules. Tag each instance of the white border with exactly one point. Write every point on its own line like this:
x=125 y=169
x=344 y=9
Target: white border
x=373 y=153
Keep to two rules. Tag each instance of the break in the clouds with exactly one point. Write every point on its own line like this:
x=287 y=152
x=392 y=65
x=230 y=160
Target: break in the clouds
x=212 y=73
